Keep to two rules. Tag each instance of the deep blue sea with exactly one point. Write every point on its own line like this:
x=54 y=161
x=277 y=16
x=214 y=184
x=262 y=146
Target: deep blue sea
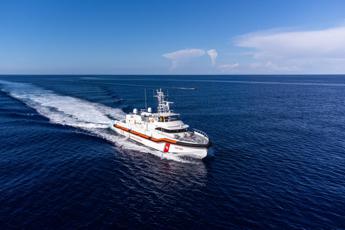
x=278 y=163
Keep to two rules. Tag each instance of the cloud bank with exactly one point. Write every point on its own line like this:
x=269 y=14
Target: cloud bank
x=289 y=52
x=296 y=51
x=228 y=67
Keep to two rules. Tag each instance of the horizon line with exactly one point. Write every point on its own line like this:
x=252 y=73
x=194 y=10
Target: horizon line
x=99 y=74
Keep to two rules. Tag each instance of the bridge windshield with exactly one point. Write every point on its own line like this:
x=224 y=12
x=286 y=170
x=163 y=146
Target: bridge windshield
x=169 y=118
x=172 y=130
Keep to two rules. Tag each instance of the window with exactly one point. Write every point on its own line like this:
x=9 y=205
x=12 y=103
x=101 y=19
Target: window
x=172 y=130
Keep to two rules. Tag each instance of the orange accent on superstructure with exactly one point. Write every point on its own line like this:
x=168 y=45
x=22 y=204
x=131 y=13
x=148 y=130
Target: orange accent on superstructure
x=145 y=136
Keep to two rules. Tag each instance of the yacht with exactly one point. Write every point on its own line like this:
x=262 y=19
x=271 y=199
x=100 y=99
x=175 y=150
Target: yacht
x=163 y=130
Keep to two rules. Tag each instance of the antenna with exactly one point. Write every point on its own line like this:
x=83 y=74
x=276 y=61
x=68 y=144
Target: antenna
x=145 y=100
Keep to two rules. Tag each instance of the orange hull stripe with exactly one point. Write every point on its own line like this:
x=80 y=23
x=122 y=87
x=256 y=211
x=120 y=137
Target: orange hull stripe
x=145 y=136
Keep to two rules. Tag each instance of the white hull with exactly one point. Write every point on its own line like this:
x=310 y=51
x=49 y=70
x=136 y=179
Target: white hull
x=194 y=152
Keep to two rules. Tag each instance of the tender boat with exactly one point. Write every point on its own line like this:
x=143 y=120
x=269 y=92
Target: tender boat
x=163 y=130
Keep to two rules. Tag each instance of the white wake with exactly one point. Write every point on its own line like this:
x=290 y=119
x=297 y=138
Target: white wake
x=65 y=110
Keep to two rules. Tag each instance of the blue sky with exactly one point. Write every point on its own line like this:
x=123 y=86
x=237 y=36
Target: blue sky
x=171 y=37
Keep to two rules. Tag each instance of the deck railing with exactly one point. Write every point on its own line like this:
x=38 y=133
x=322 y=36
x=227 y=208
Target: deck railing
x=201 y=132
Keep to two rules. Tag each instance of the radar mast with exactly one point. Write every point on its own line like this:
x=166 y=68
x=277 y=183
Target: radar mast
x=163 y=105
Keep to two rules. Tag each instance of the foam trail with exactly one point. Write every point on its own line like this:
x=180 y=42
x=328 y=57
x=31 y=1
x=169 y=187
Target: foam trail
x=65 y=110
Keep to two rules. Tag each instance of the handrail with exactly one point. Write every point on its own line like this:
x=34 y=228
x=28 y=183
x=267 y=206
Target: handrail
x=201 y=132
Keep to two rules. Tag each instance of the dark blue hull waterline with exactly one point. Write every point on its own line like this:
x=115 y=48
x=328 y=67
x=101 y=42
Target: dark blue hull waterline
x=279 y=154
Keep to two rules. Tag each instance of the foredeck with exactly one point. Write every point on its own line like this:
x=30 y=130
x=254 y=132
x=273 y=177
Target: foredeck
x=192 y=137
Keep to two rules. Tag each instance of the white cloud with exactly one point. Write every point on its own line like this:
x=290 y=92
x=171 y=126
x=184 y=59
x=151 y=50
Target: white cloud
x=183 y=55
x=212 y=53
x=301 y=51
x=228 y=67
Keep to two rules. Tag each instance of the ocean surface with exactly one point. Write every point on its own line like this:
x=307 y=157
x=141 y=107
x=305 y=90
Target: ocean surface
x=278 y=162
